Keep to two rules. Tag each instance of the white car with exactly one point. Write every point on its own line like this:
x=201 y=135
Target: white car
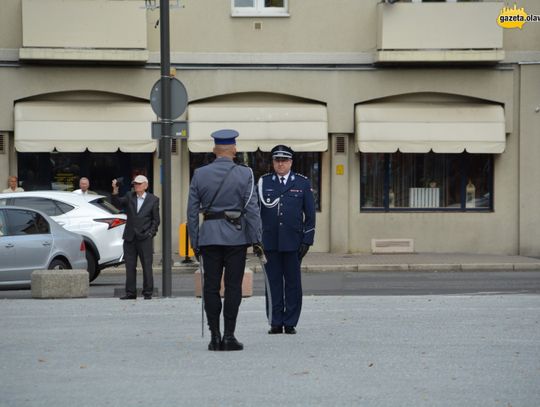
x=91 y=216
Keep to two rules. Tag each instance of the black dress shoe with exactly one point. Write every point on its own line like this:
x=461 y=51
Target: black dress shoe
x=129 y=297
x=215 y=341
x=147 y=296
x=290 y=330
x=229 y=342
x=275 y=329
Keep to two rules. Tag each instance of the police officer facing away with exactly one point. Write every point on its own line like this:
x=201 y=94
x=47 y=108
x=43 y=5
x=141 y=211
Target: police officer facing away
x=225 y=193
x=288 y=218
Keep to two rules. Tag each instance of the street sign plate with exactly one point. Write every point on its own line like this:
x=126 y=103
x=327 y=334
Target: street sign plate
x=179 y=130
x=179 y=98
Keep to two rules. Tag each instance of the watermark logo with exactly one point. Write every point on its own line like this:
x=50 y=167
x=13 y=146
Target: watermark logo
x=515 y=17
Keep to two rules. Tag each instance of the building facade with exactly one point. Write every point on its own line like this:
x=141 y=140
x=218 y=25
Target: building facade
x=416 y=121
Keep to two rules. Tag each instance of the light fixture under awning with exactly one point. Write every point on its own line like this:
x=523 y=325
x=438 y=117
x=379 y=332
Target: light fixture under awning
x=261 y=125
x=420 y=127
x=74 y=126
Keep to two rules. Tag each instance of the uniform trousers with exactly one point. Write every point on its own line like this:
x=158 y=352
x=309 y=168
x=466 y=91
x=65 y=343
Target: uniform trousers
x=143 y=250
x=216 y=259
x=283 y=269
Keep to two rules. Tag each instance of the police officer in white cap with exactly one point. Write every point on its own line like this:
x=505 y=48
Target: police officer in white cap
x=288 y=218
x=225 y=194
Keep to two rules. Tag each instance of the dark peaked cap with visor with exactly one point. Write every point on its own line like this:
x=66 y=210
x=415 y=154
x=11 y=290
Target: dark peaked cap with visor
x=282 y=152
x=224 y=136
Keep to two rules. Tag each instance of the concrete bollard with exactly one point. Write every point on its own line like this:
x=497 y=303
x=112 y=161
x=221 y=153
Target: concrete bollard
x=247 y=283
x=60 y=284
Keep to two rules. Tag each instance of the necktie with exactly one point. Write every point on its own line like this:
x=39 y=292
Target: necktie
x=282 y=180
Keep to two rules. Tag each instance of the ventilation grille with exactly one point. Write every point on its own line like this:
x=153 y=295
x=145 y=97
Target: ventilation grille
x=174 y=146
x=392 y=245
x=2 y=144
x=340 y=145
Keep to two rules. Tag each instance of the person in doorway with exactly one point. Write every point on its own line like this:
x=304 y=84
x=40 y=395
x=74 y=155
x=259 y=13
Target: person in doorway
x=13 y=185
x=225 y=193
x=288 y=218
x=84 y=185
x=142 y=209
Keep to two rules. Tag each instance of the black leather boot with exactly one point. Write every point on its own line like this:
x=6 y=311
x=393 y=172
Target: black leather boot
x=229 y=342
x=215 y=336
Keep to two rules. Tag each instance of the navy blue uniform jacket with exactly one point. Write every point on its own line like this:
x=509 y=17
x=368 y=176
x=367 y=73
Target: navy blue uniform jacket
x=287 y=212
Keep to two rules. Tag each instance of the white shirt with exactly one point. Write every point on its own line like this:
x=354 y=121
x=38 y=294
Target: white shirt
x=80 y=191
x=140 y=201
x=18 y=189
x=285 y=178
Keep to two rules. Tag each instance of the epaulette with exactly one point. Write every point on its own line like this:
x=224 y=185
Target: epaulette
x=267 y=174
x=244 y=165
x=302 y=175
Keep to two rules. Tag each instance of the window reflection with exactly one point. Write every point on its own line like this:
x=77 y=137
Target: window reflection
x=62 y=171
x=436 y=181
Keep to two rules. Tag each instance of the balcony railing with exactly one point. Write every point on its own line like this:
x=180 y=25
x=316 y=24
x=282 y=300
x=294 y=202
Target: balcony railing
x=439 y=32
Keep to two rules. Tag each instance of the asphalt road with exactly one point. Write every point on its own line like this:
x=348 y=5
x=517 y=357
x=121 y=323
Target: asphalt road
x=110 y=285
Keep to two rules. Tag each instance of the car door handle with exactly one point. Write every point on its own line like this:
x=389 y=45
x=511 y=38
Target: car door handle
x=9 y=245
x=61 y=223
x=46 y=243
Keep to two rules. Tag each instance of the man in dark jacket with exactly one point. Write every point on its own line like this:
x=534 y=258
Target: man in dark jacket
x=142 y=209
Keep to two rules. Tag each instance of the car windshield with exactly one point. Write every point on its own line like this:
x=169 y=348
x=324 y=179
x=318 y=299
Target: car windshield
x=105 y=205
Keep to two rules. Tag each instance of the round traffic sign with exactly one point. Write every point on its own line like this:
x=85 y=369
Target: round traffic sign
x=179 y=98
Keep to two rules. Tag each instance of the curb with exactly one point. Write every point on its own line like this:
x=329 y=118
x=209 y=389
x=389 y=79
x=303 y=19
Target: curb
x=330 y=268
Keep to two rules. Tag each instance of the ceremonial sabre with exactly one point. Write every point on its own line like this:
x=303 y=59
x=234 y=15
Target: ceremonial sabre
x=262 y=261
x=201 y=270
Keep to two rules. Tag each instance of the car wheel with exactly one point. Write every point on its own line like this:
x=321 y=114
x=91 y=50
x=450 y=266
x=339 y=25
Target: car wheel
x=58 y=264
x=92 y=268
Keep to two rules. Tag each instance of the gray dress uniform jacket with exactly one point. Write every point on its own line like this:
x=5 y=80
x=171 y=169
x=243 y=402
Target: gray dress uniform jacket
x=237 y=193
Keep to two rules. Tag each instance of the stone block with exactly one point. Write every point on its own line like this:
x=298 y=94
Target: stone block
x=385 y=246
x=247 y=283
x=60 y=284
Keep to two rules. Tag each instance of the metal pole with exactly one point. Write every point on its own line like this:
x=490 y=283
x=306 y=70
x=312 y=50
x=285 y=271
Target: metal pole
x=165 y=144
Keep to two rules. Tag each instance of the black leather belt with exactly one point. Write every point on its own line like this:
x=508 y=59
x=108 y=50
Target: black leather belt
x=214 y=215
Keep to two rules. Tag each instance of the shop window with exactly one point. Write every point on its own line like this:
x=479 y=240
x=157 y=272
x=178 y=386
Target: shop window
x=62 y=171
x=308 y=164
x=436 y=182
x=264 y=8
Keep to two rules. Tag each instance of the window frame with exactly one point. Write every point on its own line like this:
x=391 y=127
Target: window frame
x=260 y=10
x=462 y=208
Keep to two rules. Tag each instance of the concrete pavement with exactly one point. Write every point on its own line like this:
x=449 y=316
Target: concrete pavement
x=474 y=350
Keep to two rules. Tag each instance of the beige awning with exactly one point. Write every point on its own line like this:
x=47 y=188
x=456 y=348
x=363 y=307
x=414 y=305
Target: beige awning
x=74 y=126
x=421 y=127
x=261 y=125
